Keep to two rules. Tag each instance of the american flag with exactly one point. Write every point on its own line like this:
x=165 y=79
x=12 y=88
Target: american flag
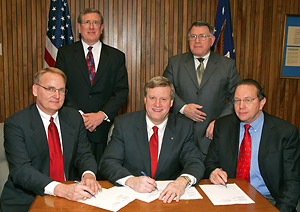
x=59 y=31
x=223 y=30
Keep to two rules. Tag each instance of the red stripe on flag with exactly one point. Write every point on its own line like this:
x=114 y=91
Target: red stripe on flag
x=48 y=58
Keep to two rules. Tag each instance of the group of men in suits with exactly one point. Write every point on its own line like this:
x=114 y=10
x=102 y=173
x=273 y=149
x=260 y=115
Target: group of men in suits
x=157 y=142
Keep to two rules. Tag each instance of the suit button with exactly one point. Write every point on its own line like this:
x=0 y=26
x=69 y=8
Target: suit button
x=90 y=96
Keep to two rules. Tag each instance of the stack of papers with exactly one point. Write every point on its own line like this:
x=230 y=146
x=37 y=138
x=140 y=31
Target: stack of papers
x=115 y=198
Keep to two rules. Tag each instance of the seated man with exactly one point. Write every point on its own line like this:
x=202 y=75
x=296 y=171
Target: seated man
x=154 y=142
x=41 y=152
x=254 y=145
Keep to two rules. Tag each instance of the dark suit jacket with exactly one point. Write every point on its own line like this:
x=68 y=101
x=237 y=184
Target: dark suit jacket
x=218 y=83
x=110 y=86
x=128 y=152
x=278 y=157
x=27 y=152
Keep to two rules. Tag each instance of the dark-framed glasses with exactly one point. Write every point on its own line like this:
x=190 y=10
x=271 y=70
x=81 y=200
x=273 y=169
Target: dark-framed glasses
x=247 y=101
x=203 y=37
x=52 y=90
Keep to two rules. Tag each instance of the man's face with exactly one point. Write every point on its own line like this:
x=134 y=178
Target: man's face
x=90 y=28
x=49 y=103
x=200 y=47
x=158 y=103
x=248 y=112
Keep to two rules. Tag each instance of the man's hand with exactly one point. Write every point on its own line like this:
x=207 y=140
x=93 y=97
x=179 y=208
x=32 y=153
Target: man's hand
x=141 y=184
x=93 y=120
x=218 y=176
x=173 y=189
x=82 y=190
x=210 y=130
x=193 y=111
x=90 y=181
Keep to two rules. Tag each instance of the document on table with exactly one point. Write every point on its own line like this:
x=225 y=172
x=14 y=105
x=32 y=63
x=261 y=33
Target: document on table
x=190 y=193
x=220 y=195
x=115 y=198
x=112 y=199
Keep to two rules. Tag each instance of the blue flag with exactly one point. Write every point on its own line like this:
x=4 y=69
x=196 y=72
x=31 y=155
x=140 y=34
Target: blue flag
x=59 y=31
x=223 y=31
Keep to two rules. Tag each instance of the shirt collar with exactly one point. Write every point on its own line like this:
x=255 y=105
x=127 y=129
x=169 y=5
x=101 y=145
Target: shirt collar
x=256 y=123
x=161 y=127
x=205 y=57
x=45 y=116
x=95 y=46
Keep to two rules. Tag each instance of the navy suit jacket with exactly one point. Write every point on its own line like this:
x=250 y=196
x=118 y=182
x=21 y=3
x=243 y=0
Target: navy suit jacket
x=27 y=152
x=218 y=83
x=278 y=157
x=109 y=90
x=128 y=152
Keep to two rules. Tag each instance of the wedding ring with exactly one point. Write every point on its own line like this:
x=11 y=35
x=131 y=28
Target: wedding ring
x=174 y=194
x=83 y=197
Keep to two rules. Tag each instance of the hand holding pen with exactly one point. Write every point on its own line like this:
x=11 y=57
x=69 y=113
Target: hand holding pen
x=141 y=184
x=218 y=176
x=83 y=197
x=224 y=178
x=143 y=173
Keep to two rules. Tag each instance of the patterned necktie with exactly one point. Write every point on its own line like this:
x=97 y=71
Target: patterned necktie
x=56 y=157
x=243 y=167
x=91 y=64
x=200 y=70
x=153 y=144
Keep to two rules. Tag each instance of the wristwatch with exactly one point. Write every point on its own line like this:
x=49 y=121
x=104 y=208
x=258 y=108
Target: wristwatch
x=188 y=180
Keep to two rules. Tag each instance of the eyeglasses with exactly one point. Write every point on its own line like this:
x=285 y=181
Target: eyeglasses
x=88 y=22
x=202 y=37
x=247 y=101
x=52 y=90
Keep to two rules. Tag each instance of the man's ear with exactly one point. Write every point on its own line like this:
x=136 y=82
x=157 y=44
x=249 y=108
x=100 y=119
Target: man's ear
x=34 y=90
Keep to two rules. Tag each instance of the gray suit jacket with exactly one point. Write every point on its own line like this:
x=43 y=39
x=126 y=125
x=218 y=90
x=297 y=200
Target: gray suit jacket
x=218 y=83
x=27 y=152
x=278 y=157
x=128 y=152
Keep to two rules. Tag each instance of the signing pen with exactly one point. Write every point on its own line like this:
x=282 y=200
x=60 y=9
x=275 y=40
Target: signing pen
x=86 y=191
x=143 y=173
x=224 y=181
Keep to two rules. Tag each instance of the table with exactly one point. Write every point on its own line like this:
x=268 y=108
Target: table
x=51 y=203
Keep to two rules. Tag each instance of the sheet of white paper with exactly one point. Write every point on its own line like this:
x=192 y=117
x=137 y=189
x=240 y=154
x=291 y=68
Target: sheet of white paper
x=220 y=195
x=112 y=199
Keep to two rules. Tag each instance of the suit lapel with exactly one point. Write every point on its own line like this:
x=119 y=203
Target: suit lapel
x=169 y=140
x=79 y=59
x=142 y=143
x=103 y=63
x=190 y=69
x=67 y=134
x=38 y=136
x=210 y=68
x=266 y=137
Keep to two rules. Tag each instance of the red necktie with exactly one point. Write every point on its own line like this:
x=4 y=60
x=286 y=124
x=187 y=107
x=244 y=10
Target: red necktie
x=56 y=157
x=91 y=64
x=243 y=167
x=153 y=144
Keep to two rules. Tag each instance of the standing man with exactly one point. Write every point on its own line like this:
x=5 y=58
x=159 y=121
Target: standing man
x=97 y=78
x=46 y=143
x=258 y=147
x=204 y=81
x=155 y=142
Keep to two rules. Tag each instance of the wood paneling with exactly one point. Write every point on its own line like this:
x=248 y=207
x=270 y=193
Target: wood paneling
x=149 y=32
